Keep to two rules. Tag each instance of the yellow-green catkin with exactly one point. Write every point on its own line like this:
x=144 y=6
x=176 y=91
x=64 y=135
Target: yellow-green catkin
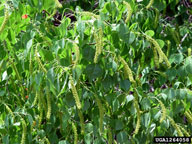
x=75 y=133
x=35 y=99
x=160 y=52
x=110 y=136
x=43 y=101
x=101 y=113
x=1 y=64
x=129 y=9
x=138 y=124
x=81 y=121
x=163 y=111
x=127 y=69
x=189 y=116
x=16 y=71
x=40 y=117
x=30 y=65
x=75 y=94
x=184 y=131
x=77 y=54
x=156 y=18
x=136 y=105
x=39 y=62
x=175 y=126
x=47 y=140
x=138 y=76
x=24 y=133
x=9 y=110
x=38 y=95
x=48 y=103
x=58 y=4
x=156 y=59
x=189 y=51
x=150 y=4
x=19 y=78
x=90 y=14
x=6 y=17
x=168 y=47
x=99 y=43
x=115 y=142
x=175 y=36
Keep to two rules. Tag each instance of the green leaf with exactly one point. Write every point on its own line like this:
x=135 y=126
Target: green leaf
x=93 y=71
x=161 y=43
x=122 y=137
x=189 y=68
x=176 y=58
x=125 y=84
x=63 y=142
x=118 y=125
x=150 y=33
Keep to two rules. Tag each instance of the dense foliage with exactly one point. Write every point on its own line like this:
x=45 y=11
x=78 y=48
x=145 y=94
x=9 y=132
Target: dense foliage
x=107 y=71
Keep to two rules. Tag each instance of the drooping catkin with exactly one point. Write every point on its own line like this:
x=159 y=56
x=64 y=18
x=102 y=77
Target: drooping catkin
x=16 y=71
x=58 y=4
x=156 y=59
x=48 y=103
x=163 y=110
x=129 y=9
x=40 y=117
x=77 y=54
x=184 y=131
x=47 y=140
x=138 y=124
x=127 y=69
x=81 y=121
x=6 y=17
x=75 y=133
x=90 y=14
x=39 y=62
x=43 y=99
x=99 y=43
x=24 y=133
x=101 y=113
x=162 y=56
x=189 y=51
x=30 y=65
x=150 y=4
x=110 y=136
x=168 y=47
x=175 y=126
x=75 y=94
x=175 y=36
x=156 y=18
x=189 y=116
x=9 y=110
x=19 y=78
x=136 y=105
